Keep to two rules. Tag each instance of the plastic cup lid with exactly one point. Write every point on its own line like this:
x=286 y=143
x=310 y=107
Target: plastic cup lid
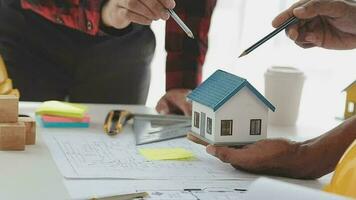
x=284 y=71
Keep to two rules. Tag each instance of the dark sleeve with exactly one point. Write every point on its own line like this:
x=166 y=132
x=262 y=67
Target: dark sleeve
x=185 y=56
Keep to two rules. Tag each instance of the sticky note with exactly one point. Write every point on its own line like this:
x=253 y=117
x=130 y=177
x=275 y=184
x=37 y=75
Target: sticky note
x=49 y=118
x=166 y=154
x=63 y=124
x=63 y=109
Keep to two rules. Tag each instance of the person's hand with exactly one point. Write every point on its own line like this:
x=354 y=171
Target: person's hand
x=120 y=13
x=271 y=156
x=328 y=24
x=175 y=102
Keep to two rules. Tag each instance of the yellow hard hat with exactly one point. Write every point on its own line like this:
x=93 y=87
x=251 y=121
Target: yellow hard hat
x=343 y=181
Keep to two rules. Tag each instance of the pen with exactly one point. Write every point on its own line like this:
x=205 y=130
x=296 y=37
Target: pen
x=181 y=23
x=287 y=23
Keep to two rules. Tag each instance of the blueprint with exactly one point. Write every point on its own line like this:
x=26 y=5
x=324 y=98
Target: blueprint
x=99 y=156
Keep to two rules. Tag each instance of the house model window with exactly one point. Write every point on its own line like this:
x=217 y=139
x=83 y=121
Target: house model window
x=351 y=107
x=350 y=104
x=255 y=126
x=196 y=119
x=209 y=123
x=226 y=127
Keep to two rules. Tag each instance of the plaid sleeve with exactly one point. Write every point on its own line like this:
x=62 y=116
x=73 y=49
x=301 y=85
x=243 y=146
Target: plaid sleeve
x=185 y=56
x=83 y=15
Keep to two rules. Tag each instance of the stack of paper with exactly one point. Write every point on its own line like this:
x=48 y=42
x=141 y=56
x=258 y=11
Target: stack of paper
x=57 y=114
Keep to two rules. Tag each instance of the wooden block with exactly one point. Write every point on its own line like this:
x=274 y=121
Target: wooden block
x=30 y=129
x=12 y=136
x=9 y=108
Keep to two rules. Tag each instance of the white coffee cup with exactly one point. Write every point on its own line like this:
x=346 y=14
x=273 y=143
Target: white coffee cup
x=283 y=88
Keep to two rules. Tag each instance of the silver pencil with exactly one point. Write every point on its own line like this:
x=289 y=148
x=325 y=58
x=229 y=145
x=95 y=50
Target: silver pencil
x=181 y=23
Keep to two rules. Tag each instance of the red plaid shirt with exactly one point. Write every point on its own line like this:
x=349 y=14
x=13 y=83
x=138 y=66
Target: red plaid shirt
x=185 y=57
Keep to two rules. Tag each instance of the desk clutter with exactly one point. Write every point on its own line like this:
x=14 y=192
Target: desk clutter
x=57 y=114
x=15 y=131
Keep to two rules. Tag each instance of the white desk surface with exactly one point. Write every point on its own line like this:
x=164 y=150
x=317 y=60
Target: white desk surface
x=33 y=175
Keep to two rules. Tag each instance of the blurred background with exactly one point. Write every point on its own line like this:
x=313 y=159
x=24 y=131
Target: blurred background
x=236 y=25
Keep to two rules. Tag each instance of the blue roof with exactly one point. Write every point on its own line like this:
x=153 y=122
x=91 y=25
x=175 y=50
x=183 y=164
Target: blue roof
x=220 y=87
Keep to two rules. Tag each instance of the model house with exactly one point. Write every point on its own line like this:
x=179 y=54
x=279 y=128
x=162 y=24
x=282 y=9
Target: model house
x=350 y=109
x=228 y=110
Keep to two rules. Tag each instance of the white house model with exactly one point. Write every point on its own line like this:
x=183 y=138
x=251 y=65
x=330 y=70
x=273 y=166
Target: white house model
x=228 y=110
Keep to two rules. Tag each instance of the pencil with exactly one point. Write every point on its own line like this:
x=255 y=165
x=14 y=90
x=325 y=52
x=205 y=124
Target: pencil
x=181 y=23
x=287 y=23
x=123 y=197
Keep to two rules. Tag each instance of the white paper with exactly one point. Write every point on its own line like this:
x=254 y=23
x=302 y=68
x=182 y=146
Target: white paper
x=105 y=188
x=99 y=156
x=196 y=195
x=264 y=188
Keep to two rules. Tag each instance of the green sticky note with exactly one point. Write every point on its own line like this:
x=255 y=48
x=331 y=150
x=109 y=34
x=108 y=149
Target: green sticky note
x=63 y=109
x=166 y=154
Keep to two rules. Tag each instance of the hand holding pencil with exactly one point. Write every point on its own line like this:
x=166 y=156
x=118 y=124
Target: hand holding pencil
x=328 y=24
x=120 y=13
x=280 y=28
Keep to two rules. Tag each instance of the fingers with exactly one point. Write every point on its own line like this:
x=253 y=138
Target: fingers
x=307 y=9
x=194 y=139
x=138 y=8
x=174 y=102
x=178 y=98
x=185 y=107
x=313 y=8
x=309 y=34
x=228 y=155
x=130 y=16
x=162 y=106
x=168 y=4
x=285 y=15
x=158 y=10
x=119 y=13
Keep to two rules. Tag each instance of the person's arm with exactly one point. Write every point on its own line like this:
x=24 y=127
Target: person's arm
x=185 y=56
x=306 y=160
x=95 y=16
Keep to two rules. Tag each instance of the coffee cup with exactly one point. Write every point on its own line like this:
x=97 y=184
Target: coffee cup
x=283 y=88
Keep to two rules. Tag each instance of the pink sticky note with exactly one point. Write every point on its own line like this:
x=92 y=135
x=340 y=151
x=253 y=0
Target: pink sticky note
x=48 y=118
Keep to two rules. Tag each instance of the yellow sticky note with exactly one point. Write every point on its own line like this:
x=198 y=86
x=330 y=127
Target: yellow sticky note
x=166 y=154
x=63 y=109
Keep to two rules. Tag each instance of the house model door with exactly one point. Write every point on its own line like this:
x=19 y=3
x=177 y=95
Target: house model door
x=202 y=124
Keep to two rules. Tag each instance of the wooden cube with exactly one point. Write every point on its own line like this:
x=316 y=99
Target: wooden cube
x=30 y=126
x=12 y=136
x=9 y=108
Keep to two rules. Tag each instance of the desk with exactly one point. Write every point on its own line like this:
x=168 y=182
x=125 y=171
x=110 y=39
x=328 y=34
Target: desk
x=33 y=175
